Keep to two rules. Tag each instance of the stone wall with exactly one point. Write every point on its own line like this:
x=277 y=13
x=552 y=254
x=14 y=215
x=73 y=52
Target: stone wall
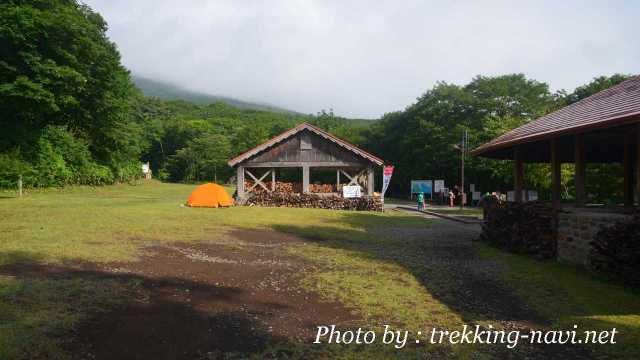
x=576 y=229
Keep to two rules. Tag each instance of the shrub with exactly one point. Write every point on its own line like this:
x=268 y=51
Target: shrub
x=616 y=251
x=11 y=168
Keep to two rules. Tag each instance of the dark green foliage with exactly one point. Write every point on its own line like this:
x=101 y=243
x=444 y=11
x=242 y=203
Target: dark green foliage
x=420 y=140
x=62 y=89
x=616 y=251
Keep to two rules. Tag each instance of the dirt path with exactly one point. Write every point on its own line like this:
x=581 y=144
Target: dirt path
x=205 y=300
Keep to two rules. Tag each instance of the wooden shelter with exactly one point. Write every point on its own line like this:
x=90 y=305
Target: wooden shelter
x=305 y=147
x=603 y=128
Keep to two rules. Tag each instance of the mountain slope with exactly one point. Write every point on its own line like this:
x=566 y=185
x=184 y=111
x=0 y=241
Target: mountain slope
x=168 y=91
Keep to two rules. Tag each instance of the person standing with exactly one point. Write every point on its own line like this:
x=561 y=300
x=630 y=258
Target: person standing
x=420 y=201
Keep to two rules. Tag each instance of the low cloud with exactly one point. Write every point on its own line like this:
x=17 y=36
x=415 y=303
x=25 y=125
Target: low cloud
x=365 y=58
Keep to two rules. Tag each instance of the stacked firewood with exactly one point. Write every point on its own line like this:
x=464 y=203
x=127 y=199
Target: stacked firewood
x=335 y=202
x=280 y=187
x=322 y=188
x=616 y=251
x=292 y=187
x=524 y=228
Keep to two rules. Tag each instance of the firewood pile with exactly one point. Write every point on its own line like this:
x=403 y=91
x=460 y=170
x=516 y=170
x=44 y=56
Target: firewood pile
x=280 y=187
x=297 y=200
x=523 y=228
x=292 y=187
x=616 y=251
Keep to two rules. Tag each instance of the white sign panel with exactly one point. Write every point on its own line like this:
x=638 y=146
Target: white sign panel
x=511 y=196
x=472 y=187
x=438 y=186
x=475 y=195
x=533 y=195
x=352 y=191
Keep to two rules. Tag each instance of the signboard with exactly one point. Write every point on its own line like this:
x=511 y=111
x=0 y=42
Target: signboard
x=421 y=186
x=472 y=187
x=352 y=191
x=532 y=195
x=475 y=196
x=511 y=196
x=387 y=171
x=145 y=168
x=438 y=186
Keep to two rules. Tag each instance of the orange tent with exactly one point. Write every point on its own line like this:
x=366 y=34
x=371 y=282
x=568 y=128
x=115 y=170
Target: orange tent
x=209 y=195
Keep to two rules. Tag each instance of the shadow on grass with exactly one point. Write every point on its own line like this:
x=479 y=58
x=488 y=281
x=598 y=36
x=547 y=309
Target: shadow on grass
x=51 y=311
x=442 y=258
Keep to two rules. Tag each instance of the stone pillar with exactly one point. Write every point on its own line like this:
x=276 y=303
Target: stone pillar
x=370 y=180
x=581 y=170
x=240 y=181
x=305 y=179
x=519 y=173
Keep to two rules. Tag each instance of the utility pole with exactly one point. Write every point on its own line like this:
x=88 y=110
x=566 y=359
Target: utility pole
x=463 y=149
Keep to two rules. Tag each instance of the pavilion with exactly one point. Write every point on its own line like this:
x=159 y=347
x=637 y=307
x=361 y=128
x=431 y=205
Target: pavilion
x=603 y=128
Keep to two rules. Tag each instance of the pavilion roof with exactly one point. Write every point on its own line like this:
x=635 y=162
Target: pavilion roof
x=620 y=104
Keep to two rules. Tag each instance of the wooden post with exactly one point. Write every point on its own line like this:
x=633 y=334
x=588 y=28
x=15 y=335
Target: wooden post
x=580 y=170
x=555 y=175
x=638 y=163
x=305 y=179
x=240 y=181
x=628 y=170
x=338 y=180
x=20 y=185
x=370 y=179
x=519 y=173
x=273 y=179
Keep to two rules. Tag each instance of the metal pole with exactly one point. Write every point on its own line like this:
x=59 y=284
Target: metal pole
x=462 y=150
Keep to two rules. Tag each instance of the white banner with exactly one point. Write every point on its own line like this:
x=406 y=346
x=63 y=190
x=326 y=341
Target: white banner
x=387 y=171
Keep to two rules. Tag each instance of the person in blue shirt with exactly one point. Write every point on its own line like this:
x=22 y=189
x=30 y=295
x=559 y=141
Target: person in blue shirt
x=420 y=201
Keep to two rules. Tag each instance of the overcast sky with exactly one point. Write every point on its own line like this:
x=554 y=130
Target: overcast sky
x=366 y=58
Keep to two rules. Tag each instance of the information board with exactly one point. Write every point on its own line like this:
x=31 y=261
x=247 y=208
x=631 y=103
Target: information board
x=421 y=186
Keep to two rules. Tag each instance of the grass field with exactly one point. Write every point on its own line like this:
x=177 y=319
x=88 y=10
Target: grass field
x=377 y=265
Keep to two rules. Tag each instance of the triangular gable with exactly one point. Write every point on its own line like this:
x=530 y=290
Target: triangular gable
x=296 y=131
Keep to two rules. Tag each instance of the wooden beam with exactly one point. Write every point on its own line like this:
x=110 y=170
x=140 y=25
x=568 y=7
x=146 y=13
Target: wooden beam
x=299 y=164
x=628 y=169
x=580 y=170
x=258 y=181
x=240 y=181
x=370 y=179
x=556 y=176
x=519 y=173
x=337 y=179
x=305 y=179
x=273 y=179
x=353 y=180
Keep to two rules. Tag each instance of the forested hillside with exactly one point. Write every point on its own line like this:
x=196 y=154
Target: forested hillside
x=71 y=114
x=166 y=91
